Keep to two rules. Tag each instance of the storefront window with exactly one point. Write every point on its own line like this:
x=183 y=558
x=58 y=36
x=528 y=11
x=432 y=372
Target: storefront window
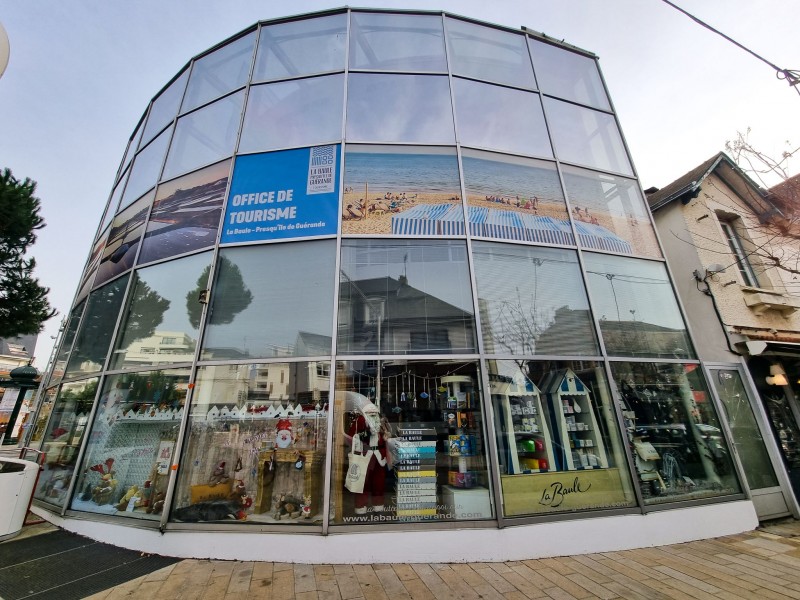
x=515 y=198
x=255 y=450
x=301 y=48
x=586 y=137
x=558 y=442
x=66 y=343
x=186 y=214
x=636 y=307
x=220 y=72
x=146 y=168
x=609 y=213
x=164 y=108
x=499 y=118
x=123 y=240
x=163 y=314
x=91 y=344
x=205 y=136
x=674 y=432
x=409 y=443
x=296 y=113
x=402 y=190
x=405 y=297
x=412 y=108
x=532 y=301
x=63 y=438
x=568 y=75
x=387 y=42
x=129 y=453
x=486 y=53
x=255 y=312
x=46 y=409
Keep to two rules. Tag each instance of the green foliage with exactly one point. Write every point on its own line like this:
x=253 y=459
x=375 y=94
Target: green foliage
x=231 y=295
x=23 y=302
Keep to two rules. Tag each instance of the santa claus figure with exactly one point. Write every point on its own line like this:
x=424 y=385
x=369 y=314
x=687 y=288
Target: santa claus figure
x=373 y=433
x=283 y=435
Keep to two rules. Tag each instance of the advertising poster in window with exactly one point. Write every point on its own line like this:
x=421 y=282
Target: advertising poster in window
x=283 y=195
x=123 y=240
x=402 y=191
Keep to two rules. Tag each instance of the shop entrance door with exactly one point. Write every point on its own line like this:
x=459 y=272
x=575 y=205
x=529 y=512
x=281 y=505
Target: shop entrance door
x=755 y=444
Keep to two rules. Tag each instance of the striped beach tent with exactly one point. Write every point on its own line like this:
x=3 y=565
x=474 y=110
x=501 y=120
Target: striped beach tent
x=452 y=222
x=505 y=224
x=422 y=219
x=477 y=219
x=547 y=230
x=600 y=238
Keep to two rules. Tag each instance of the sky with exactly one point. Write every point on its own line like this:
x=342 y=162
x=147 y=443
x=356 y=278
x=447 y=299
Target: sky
x=81 y=74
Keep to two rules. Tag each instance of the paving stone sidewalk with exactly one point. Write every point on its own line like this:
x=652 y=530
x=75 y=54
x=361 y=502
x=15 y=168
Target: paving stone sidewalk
x=760 y=564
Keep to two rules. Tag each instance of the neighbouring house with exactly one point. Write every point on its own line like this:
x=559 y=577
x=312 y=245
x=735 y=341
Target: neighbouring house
x=733 y=250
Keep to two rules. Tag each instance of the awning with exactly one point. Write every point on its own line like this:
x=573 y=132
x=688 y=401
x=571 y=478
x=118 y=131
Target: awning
x=759 y=347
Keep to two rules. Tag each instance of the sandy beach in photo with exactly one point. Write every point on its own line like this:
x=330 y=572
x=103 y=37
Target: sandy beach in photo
x=381 y=209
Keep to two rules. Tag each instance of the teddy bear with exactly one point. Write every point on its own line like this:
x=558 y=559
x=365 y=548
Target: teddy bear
x=156 y=503
x=218 y=476
x=286 y=506
x=103 y=492
x=133 y=492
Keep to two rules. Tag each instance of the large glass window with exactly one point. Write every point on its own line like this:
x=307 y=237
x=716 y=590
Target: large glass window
x=63 y=439
x=71 y=328
x=635 y=304
x=255 y=450
x=163 y=313
x=186 y=213
x=164 y=108
x=586 y=137
x=568 y=74
x=91 y=344
x=486 y=53
x=255 y=310
x=127 y=463
x=42 y=417
x=205 y=136
x=405 y=297
x=609 y=212
x=411 y=108
x=301 y=48
x=220 y=72
x=674 y=432
x=558 y=442
x=532 y=301
x=123 y=240
x=415 y=429
x=499 y=118
x=391 y=42
x=402 y=190
x=293 y=113
x=515 y=198
x=113 y=203
x=146 y=169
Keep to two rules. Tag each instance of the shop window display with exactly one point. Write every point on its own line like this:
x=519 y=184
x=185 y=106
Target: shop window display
x=558 y=442
x=129 y=451
x=63 y=439
x=675 y=435
x=42 y=417
x=255 y=449
x=409 y=443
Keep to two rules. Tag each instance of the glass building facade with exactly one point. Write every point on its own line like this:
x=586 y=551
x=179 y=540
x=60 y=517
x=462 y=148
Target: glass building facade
x=377 y=269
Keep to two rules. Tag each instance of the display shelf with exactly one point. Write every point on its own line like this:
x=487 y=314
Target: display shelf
x=571 y=413
x=462 y=418
x=526 y=436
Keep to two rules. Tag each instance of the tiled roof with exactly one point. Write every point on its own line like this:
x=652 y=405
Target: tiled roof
x=685 y=182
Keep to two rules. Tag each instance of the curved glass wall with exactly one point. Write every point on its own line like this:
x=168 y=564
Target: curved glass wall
x=364 y=269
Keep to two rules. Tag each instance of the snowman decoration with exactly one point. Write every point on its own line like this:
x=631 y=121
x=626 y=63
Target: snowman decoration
x=283 y=435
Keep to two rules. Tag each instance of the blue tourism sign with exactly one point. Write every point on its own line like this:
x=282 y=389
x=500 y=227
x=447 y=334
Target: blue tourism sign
x=283 y=195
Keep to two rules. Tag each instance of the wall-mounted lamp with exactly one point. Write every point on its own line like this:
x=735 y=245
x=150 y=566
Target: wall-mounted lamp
x=777 y=376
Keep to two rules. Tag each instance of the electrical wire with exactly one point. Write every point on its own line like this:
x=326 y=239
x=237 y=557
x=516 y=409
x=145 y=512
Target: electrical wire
x=791 y=77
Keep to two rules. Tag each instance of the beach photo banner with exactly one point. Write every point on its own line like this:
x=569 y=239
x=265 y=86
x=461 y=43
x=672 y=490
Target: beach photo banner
x=283 y=195
x=402 y=191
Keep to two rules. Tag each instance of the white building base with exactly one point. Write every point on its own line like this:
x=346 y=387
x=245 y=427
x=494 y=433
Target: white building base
x=543 y=540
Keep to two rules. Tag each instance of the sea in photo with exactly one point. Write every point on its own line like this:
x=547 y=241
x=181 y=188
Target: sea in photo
x=379 y=186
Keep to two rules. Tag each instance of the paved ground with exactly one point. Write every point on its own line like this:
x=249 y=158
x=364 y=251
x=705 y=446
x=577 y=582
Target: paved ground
x=760 y=564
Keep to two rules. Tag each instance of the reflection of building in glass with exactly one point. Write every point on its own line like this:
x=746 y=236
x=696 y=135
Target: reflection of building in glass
x=368 y=270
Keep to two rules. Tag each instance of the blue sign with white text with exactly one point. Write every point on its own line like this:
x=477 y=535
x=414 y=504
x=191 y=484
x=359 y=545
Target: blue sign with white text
x=283 y=195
